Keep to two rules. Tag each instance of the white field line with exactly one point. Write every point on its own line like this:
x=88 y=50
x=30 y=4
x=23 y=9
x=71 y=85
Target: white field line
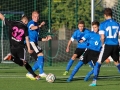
x=50 y=69
x=59 y=77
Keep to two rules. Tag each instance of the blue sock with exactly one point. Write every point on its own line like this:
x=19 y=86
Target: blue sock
x=88 y=75
x=91 y=64
x=69 y=64
x=96 y=70
x=118 y=66
x=40 y=64
x=35 y=66
x=76 y=68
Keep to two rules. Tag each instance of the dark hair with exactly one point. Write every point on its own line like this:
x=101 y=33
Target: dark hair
x=81 y=22
x=108 y=11
x=95 y=23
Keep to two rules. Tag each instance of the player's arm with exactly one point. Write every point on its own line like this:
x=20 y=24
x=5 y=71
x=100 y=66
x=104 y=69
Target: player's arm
x=6 y=21
x=70 y=41
x=102 y=38
x=85 y=37
x=46 y=38
x=102 y=32
x=32 y=27
x=28 y=44
x=2 y=17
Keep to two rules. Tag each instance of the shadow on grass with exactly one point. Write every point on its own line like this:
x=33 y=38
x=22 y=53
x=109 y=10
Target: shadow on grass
x=103 y=78
x=64 y=80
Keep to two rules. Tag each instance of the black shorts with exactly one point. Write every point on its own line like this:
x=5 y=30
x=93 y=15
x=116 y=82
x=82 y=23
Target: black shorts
x=79 y=52
x=109 y=50
x=19 y=53
x=90 y=55
x=36 y=49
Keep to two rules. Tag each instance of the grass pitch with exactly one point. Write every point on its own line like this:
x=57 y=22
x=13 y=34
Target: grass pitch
x=12 y=77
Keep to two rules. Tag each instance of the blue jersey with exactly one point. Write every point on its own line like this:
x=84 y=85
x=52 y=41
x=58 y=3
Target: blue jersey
x=111 y=30
x=94 y=41
x=33 y=34
x=77 y=35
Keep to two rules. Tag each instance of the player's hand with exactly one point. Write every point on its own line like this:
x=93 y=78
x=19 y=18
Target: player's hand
x=49 y=37
x=30 y=51
x=81 y=41
x=2 y=16
x=24 y=62
x=67 y=49
x=42 y=23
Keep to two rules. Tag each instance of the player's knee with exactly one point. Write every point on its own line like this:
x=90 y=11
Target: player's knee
x=74 y=57
x=40 y=54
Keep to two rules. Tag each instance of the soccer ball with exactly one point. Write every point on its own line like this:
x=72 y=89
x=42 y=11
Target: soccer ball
x=50 y=78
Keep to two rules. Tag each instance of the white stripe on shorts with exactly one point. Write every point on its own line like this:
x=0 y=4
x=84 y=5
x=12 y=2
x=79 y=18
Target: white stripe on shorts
x=34 y=47
x=101 y=53
x=24 y=55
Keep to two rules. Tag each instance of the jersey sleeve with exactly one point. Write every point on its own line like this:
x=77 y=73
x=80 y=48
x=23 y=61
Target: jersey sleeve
x=30 y=25
x=101 y=29
x=86 y=36
x=73 y=36
x=26 y=32
x=8 y=22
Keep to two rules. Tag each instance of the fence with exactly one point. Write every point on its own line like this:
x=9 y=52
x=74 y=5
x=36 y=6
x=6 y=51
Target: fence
x=61 y=17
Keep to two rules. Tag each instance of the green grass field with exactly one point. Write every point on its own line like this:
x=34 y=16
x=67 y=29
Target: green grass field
x=12 y=77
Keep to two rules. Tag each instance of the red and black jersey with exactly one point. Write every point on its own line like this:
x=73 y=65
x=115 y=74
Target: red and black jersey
x=17 y=32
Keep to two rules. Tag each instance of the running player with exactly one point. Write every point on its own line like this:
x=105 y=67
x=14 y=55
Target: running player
x=109 y=31
x=33 y=29
x=92 y=51
x=18 y=33
x=77 y=35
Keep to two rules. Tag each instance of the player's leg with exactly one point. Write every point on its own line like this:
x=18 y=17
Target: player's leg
x=75 y=70
x=8 y=57
x=92 y=58
x=19 y=59
x=37 y=54
x=88 y=75
x=77 y=54
x=91 y=71
x=41 y=65
x=115 y=57
x=79 y=65
x=104 y=54
x=70 y=64
x=35 y=66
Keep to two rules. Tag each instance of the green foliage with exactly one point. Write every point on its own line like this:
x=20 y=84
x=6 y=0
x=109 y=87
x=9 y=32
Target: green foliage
x=66 y=12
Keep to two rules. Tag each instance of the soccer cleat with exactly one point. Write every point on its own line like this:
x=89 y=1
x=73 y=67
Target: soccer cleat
x=93 y=84
x=43 y=75
x=8 y=57
x=30 y=76
x=65 y=73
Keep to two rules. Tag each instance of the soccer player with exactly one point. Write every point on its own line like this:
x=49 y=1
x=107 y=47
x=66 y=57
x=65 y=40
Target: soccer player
x=18 y=33
x=33 y=29
x=109 y=31
x=77 y=35
x=92 y=51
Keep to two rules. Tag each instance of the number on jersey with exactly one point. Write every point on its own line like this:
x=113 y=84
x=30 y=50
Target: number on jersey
x=112 y=31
